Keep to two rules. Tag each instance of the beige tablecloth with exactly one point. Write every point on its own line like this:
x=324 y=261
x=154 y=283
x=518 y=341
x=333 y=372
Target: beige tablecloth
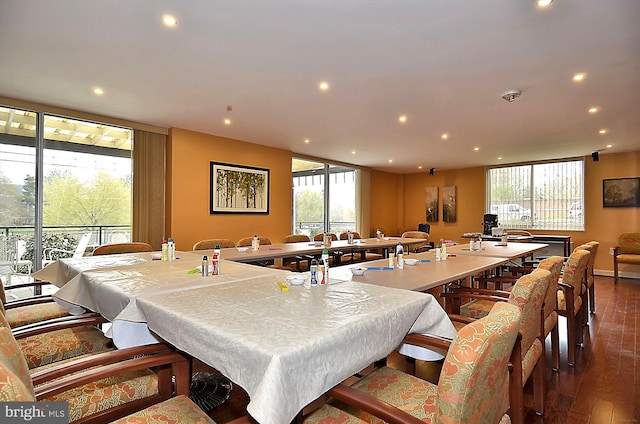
x=287 y=348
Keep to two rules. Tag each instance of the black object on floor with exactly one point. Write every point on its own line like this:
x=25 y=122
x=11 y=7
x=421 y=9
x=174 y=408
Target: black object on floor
x=209 y=390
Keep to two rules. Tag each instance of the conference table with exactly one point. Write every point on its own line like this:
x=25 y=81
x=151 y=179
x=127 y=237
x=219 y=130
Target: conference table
x=426 y=274
x=283 y=250
x=285 y=347
x=509 y=250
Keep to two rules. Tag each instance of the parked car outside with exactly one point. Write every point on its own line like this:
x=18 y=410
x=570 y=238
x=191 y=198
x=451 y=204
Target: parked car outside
x=575 y=210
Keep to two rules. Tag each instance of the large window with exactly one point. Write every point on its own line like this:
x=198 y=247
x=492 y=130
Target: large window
x=85 y=187
x=539 y=196
x=324 y=198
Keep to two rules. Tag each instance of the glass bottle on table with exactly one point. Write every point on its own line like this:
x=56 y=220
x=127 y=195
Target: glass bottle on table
x=400 y=255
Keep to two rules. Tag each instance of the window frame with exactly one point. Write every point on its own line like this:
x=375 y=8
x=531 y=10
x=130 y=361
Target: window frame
x=537 y=215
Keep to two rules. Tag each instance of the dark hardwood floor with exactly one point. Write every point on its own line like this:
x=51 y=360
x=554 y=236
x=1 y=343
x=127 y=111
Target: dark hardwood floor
x=602 y=387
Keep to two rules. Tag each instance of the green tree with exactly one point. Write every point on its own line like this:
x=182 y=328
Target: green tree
x=12 y=210
x=104 y=200
x=309 y=206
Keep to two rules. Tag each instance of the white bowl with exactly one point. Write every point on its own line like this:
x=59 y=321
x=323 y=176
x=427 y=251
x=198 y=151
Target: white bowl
x=411 y=262
x=358 y=270
x=243 y=249
x=296 y=280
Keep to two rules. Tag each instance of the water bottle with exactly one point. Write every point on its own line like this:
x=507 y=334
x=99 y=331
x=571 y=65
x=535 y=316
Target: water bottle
x=400 y=255
x=215 y=261
x=171 y=249
x=325 y=262
x=255 y=243
x=314 y=272
x=205 y=266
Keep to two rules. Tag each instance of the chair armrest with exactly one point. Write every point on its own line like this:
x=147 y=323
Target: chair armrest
x=461 y=318
x=376 y=407
x=53 y=325
x=36 y=283
x=427 y=341
x=471 y=290
x=64 y=319
x=96 y=359
x=34 y=300
x=115 y=362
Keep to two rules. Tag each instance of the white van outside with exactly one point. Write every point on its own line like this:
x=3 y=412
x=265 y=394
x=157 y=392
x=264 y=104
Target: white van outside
x=510 y=212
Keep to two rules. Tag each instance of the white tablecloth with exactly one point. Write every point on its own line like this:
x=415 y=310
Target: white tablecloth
x=287 y=348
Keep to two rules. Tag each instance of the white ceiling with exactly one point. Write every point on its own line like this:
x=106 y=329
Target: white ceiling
x=442 y=63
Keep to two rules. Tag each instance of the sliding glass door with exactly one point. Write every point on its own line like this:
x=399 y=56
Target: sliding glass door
x=60 y=179
x=324 y=198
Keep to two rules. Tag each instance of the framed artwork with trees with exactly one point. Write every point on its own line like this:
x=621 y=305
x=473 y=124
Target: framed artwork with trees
x=239 y=189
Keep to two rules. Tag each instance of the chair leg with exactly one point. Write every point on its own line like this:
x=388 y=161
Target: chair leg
x=615 y=270
x=592 y=298
x=539 y=387
x=571 y=339
x=555 y=348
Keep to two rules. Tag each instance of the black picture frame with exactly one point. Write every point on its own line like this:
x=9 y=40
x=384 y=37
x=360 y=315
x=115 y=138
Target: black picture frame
x=238 y=189
x=621 y=193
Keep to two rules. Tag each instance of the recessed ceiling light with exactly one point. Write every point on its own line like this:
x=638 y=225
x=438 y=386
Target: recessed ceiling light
x=420 y=167
x=324 y=86
x=390 y=160
x=402 y=118
x=445 y=136
x=609 y=146
x=227 y=121
x=306 y=140
x=544 y=3
x=476 y=149
x=579 y=77
x=594 y=109
x=353 y=152
x=99 y=91
x=169 y=20
x=499 y=157
x=603 y=131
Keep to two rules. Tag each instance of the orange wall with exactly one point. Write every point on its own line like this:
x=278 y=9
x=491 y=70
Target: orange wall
x=189 y=154
x=604 y=225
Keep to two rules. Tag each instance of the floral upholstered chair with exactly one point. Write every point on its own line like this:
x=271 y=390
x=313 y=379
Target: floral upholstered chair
x=295 y=263
x=421 y=247
x=571 y=299
x=112 y=249
x=210 y=244
x=529 y=293
x=627 y=251
x=29 y=310
x=54 y=341
x=101 y=387
x=473 y=384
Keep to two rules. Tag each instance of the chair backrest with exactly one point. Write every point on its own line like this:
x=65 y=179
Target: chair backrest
x=528 y=293
x=243 y=242
x=474 y=381
x=554 y=265
x=629 y=243
x=345 y=236
x=424 y=227
x=415 y=234
x=8 y=251
x=296 y=238
x=574 y=269
x=82 y=245
x=320 y=237
x=210 y=244
x=15 y=380
x=112 y=249
x=592 y=249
